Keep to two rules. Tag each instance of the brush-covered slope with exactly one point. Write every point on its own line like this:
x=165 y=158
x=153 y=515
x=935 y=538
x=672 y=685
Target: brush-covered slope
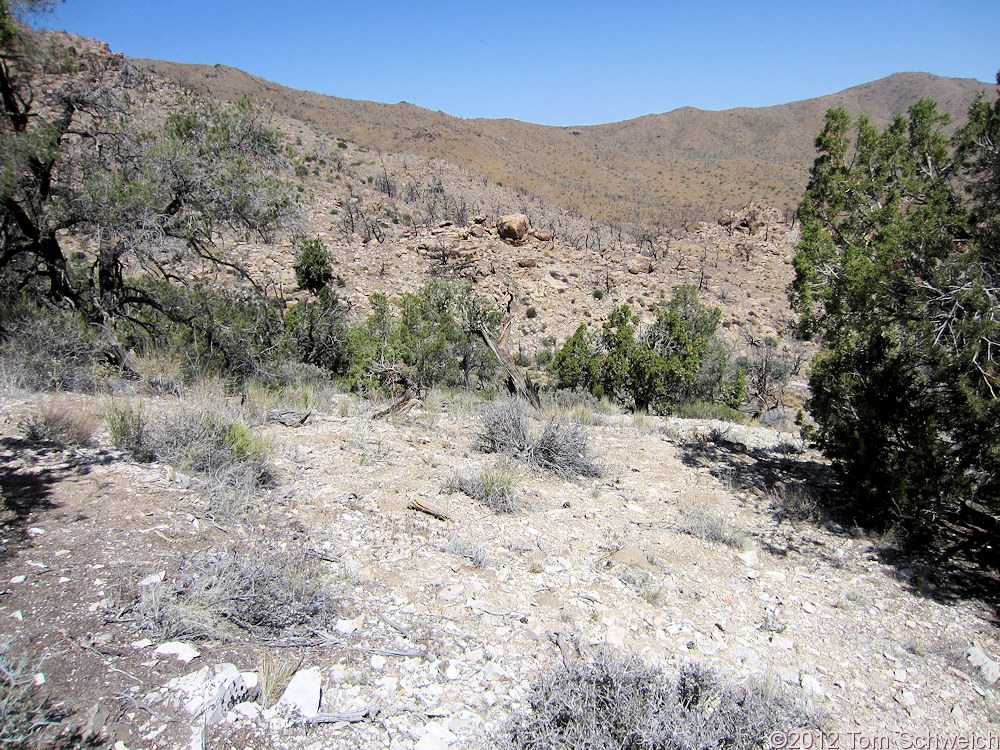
x=655 y=168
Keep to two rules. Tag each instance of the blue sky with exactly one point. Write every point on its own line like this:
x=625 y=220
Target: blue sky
x=558 y=62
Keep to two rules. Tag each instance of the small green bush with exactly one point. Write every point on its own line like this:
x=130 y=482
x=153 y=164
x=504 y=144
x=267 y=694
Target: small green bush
x=531 y=312
x=313 y=265
x=706 y=410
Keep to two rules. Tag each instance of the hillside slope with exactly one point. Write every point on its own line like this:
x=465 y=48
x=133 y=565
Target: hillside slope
x=656 y=168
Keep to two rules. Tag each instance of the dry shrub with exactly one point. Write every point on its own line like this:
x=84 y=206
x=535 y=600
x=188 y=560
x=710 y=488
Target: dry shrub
x=504 y=428
x=63 y=422
x=471 y=549
x=710 y=528
x=48 y=350
x=795 y=502
x=28 y=719
x=127 y=428
x=268 y=594
x=578 y=406
x=201 y=435
x=162 y=371
x=561 y=449
x=613 y=701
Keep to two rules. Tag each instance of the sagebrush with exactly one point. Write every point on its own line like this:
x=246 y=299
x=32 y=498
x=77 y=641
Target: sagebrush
x=268 y=594
x=562 y=448
x=612 y=702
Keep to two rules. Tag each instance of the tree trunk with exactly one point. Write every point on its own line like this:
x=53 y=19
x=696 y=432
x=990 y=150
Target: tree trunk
x=518 y=382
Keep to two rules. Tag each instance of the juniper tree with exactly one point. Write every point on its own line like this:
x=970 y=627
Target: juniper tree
x=898 y=282
x=83 y=157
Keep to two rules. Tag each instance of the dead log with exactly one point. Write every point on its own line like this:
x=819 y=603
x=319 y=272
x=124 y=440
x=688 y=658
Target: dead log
x=429 y=509
x=402 y=405
x=347 y=717
x=288 y=418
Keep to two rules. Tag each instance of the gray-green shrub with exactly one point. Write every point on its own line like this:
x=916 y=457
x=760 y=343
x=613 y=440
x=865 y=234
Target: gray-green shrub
x=612 y=702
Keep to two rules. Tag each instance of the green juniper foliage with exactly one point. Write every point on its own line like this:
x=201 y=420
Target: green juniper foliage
x=313 y=265
x=897 y=277
x=676 y=359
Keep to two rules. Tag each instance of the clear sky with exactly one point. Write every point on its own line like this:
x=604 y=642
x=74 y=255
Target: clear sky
x=557 y=62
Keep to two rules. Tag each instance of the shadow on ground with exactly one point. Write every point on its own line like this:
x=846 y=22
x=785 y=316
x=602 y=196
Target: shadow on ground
x=961 y=561
x=29 y=471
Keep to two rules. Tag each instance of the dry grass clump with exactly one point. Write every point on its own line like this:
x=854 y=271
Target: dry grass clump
x=267 y=594
x=562 y=448
x=27 y=718
x=710 y=528
x=471 y=549
x=578 y=406
x=794 y=502
x=274 y=672
x=201 y=436
x=612 y=701
x=63 y=422
x=495 y=486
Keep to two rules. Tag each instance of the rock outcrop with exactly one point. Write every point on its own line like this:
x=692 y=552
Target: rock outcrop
x=513 y=228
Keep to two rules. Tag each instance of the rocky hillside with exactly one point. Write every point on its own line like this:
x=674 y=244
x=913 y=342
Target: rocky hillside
x=656 y=168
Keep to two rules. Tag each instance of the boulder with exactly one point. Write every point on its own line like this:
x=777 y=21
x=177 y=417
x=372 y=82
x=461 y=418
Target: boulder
x=513 y=228
x=542 y=235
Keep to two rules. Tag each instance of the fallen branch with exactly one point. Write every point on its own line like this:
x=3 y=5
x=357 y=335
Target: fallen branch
x=408 y=654
x=394 y=625
x=429 y=509
x=405 y=402
x=350 y=717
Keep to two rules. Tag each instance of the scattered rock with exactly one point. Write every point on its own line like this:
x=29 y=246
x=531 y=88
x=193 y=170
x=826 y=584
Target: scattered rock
x=631 y=555
x=989 y=669
x=811 y=684
x=208 y=694
x=513 y=228
x=152 y=579
x=906 y=699
x=184 y=652
x=750 y=557
x=304 y=692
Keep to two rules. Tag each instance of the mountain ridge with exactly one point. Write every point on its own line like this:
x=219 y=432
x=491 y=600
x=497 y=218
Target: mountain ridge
x=657 y=168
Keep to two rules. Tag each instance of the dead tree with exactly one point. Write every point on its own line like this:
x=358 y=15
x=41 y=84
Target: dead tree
x=518 y=382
